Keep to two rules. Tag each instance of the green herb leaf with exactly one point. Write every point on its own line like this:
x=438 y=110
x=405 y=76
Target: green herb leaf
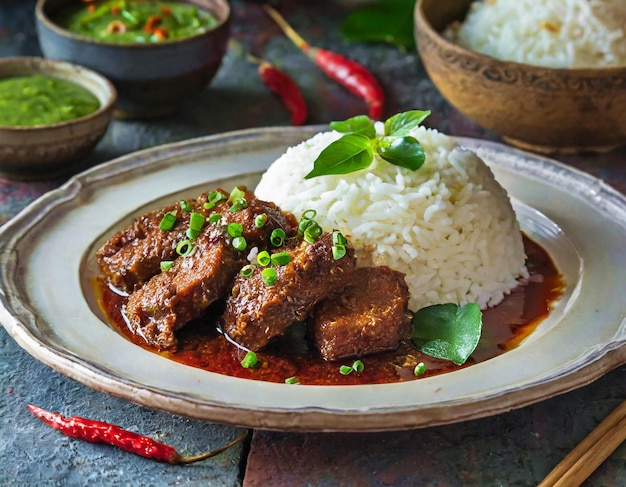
x=348 y=154
x=448 y=331
x=361 y=124
x=400 y=124
x=388 y=21
x=402 y=151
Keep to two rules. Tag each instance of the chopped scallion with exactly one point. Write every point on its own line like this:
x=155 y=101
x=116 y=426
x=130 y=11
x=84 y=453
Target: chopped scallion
x=216 y=196
x=263 y=258
x=280 y=258
x=215 y=217
x=209 y=206
x=269 y=276
x=235 y=229
x=358 y=366
x=339 y=251
x=238 y=205
x=260 y=220
x=185 y=206
x=420 y=369
x=166 y=265
x=247 y=270
x=345 y=370
x=309 y=215
x=249 y=361
x=168 y=221
x=184 y=248
x=192 y=234
x=237 y=199
x=292 y=380
x=277 y=237
x=312 y=232
x=339 y=239
x=196 y=221
x=240 y=243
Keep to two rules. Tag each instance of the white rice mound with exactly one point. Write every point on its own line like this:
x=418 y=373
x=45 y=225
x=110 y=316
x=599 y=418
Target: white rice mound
x=549 y=33
x=449 y=226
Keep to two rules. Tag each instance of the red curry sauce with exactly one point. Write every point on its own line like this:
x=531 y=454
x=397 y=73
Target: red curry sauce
x=201 y=345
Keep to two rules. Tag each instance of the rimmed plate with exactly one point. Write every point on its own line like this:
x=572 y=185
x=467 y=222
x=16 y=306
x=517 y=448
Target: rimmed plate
x=47 y=305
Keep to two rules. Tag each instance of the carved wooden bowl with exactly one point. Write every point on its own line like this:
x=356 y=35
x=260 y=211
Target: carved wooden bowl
x=537 y=108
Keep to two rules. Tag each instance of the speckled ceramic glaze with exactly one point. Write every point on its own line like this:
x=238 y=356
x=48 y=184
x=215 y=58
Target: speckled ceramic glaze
x=47 y=302
x=152 y=80
x=544 y=109
x=49 y=150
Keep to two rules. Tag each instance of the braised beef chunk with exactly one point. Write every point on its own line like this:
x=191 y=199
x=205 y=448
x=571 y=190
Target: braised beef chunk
x=134 y=255
x=172 y=298
x=257 y=312
x=369 y=316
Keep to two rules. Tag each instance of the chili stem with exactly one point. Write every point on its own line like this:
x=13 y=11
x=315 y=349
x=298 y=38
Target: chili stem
x=287 y=29
x=212 y=453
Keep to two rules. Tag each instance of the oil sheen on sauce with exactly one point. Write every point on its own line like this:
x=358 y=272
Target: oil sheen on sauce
x=201 y=345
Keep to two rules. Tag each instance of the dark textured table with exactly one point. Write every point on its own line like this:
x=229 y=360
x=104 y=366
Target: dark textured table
x=517 y=448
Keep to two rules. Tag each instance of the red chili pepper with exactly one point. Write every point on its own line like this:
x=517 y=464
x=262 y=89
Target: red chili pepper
x=352 y=75
x=101 y=432
x=285 y=87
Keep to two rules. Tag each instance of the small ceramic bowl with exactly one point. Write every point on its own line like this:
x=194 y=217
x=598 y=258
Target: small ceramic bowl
x=542 y=109
x=152 y=80
x=52 y=150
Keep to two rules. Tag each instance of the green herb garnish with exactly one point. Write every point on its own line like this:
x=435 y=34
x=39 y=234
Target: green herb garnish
x=249 y=361
x=448 y=331
x=355 y=150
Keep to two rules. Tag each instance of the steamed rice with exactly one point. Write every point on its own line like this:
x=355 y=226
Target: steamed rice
x=550 y=33
x=449 y=226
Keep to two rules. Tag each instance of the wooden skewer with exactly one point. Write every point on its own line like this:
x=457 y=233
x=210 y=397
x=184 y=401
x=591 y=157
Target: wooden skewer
x=581 y=462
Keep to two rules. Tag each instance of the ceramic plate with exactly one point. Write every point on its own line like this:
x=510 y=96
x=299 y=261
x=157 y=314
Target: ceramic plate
x=46 y=303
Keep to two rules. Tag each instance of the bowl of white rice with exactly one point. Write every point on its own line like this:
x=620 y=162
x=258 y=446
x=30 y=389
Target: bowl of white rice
x=448 y=226
x=546 y=75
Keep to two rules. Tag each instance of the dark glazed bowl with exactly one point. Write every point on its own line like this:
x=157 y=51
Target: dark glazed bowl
x=41 y=151
x=152 y=80
x=542 y=109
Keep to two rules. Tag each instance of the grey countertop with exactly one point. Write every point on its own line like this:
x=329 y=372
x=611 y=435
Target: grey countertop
x=517 y=448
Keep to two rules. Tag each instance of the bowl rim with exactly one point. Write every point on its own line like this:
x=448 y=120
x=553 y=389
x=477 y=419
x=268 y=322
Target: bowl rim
x=41 y=65
x=421 y=21
x=43 y=19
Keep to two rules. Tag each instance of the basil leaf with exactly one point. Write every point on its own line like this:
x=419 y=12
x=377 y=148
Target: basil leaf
x=402 y=151
x=448 y=331
x=361 y=124
x=348 y=154
x=401 y=123
x=388 y=21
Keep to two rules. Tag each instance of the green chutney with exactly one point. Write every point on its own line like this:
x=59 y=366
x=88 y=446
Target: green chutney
x=135 y=21
x=43 y=100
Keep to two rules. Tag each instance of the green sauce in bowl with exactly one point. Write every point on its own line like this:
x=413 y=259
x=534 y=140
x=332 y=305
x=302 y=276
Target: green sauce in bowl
x=32 y=100
x=135 y=21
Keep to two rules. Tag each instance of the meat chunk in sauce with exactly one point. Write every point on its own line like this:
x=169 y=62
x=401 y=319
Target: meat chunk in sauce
x=174 y=297
x=257 y=312
x=369 y=316
x=134 y=255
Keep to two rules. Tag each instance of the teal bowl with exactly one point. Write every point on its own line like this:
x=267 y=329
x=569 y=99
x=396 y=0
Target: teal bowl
x=152 y=80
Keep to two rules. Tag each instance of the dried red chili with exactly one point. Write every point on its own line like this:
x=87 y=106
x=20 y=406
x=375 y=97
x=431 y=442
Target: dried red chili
x=352 y=75
x=101 y=432
x=285 y=87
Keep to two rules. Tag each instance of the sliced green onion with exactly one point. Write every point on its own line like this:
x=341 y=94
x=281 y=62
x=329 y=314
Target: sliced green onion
x=247 y=271
x=339 y=239
x=339 y=251
x=166 y=265
x=237 y=199
x=292 y=380
x=209 y=206
x=216 y=196
x=215 y=217
x=303 y=225
x=420 y=369
x=185 y=206
x=309 y=215
x=240 y=243
x=184 y=248
x=345 y=370
x=260 y=220
x=235 y=230
x=358 y=366
x=196 y=221
x=280 y=258
x=269 y=276
x=277 y=237
x=263 y=258
x=192 y=234
x=168 y=221
x=312 y=233
x=249 y=361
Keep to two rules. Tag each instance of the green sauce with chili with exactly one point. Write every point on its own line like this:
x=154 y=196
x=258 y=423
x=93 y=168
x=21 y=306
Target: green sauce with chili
x=135 y=21
x=43 y=100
